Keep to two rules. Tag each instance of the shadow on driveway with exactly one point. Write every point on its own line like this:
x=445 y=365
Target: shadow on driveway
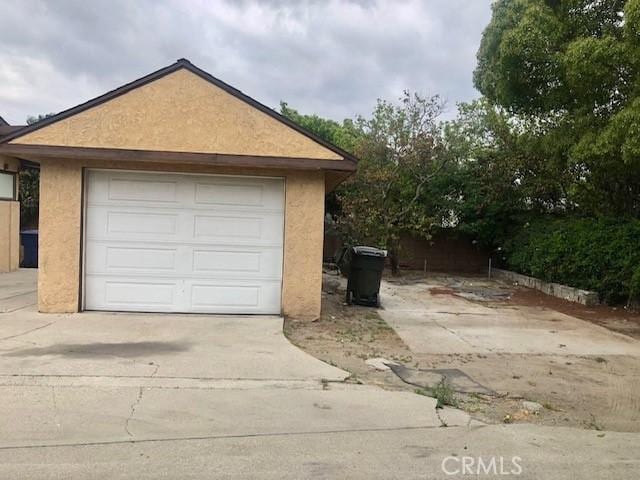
x=97 y=350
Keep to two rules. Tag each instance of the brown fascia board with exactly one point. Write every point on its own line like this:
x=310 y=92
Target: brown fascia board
x=186 y=64
x=3 y=122
x=44 y=152
x=333 y=178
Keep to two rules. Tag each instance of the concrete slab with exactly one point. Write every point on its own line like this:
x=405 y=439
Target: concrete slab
x=59 y=415
x=18 y=289
x=144 y=345
x=447 y=324
x=380 y=364
x=98 y=395
x=94 y=378
x=416 y=453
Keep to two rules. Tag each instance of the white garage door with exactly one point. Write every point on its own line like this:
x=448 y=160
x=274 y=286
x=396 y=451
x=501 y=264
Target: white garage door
x=159 y=242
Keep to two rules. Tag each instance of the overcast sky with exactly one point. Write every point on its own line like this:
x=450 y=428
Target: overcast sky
x=333 y=58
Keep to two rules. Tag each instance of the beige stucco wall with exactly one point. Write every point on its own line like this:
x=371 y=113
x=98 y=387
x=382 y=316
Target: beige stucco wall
x=9 y=163
x=60 y=233
x=59 y=236
x=9 y=224
x=180 y=112
x=9 y=236
x=303 y=240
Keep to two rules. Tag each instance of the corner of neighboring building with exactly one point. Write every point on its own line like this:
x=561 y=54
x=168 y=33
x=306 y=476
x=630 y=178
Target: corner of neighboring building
x=9 y=219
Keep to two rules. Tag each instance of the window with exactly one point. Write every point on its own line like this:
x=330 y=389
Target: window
x=7 y=185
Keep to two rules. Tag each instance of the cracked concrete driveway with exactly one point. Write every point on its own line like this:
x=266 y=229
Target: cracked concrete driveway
x=138 y=345
x=99 y=395
x=93 y=377
x=435 y=323
x=584 y=374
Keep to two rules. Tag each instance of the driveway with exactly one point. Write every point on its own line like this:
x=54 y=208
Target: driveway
x=18 y=290
x=585 y=374
x=434 y=318
x=109 y=377
x=98 y=395
x=196 y=347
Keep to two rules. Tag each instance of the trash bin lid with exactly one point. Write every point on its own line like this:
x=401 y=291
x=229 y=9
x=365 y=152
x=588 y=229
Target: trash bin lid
x=369 y=251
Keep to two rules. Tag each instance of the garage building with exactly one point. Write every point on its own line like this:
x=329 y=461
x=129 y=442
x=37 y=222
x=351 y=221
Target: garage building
x=178 y=193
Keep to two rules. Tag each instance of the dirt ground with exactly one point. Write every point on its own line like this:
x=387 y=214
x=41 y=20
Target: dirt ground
x=618 y=319
x=599 y=392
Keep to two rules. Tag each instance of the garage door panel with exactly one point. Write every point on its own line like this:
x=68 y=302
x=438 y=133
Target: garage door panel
x=139 y=293
x=228 y=194
x=206 y=261
x=142 y=191
x=203 y=296
x=212 y=244
x=230 y=297
x=113 y=187
x=184 y=226
x=138 y=258
x=108 y=293
x=187 y=295
x=115 y=223
x=230 y=262
x=239 y=228
x=142 y=223
x=264 y=194
x=123 y=257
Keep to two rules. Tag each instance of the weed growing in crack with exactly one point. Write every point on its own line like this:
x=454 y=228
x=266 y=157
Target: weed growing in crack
x=442 y=392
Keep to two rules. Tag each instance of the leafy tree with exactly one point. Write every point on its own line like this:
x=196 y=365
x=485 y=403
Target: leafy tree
x=570 y=72
x=29 y=187
x=497 y=174
x=29 y=197
x=31 y=119
x=479 y=190
x=400 y=150
x=344 y=135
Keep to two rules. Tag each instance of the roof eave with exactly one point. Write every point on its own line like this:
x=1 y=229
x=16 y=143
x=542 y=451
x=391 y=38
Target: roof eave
x=45 y=152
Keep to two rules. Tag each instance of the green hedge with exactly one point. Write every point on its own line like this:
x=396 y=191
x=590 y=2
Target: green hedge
x=593 y=254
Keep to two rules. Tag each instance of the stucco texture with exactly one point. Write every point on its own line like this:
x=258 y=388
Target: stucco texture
x=9 y=163
x=9 y=236
x=180 y=112
x=60 y=232
x=9 y=224
x=59 y=236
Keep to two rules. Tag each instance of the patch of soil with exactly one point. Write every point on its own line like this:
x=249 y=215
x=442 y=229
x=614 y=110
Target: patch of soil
x=347 y=335
x=441 y=291
x=619 y=320
x=589 y=392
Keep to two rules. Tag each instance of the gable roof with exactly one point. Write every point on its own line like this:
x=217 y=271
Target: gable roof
x=6 y=128
x=178 y=65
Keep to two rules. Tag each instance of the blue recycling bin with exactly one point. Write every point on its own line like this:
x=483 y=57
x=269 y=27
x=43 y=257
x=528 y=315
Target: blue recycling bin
x=29 y=241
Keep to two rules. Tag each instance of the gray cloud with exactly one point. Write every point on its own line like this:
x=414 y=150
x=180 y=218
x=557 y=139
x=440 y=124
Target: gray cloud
x=333 y=57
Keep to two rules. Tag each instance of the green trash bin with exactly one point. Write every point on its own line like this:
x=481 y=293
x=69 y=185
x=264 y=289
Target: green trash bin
x=365 y=272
